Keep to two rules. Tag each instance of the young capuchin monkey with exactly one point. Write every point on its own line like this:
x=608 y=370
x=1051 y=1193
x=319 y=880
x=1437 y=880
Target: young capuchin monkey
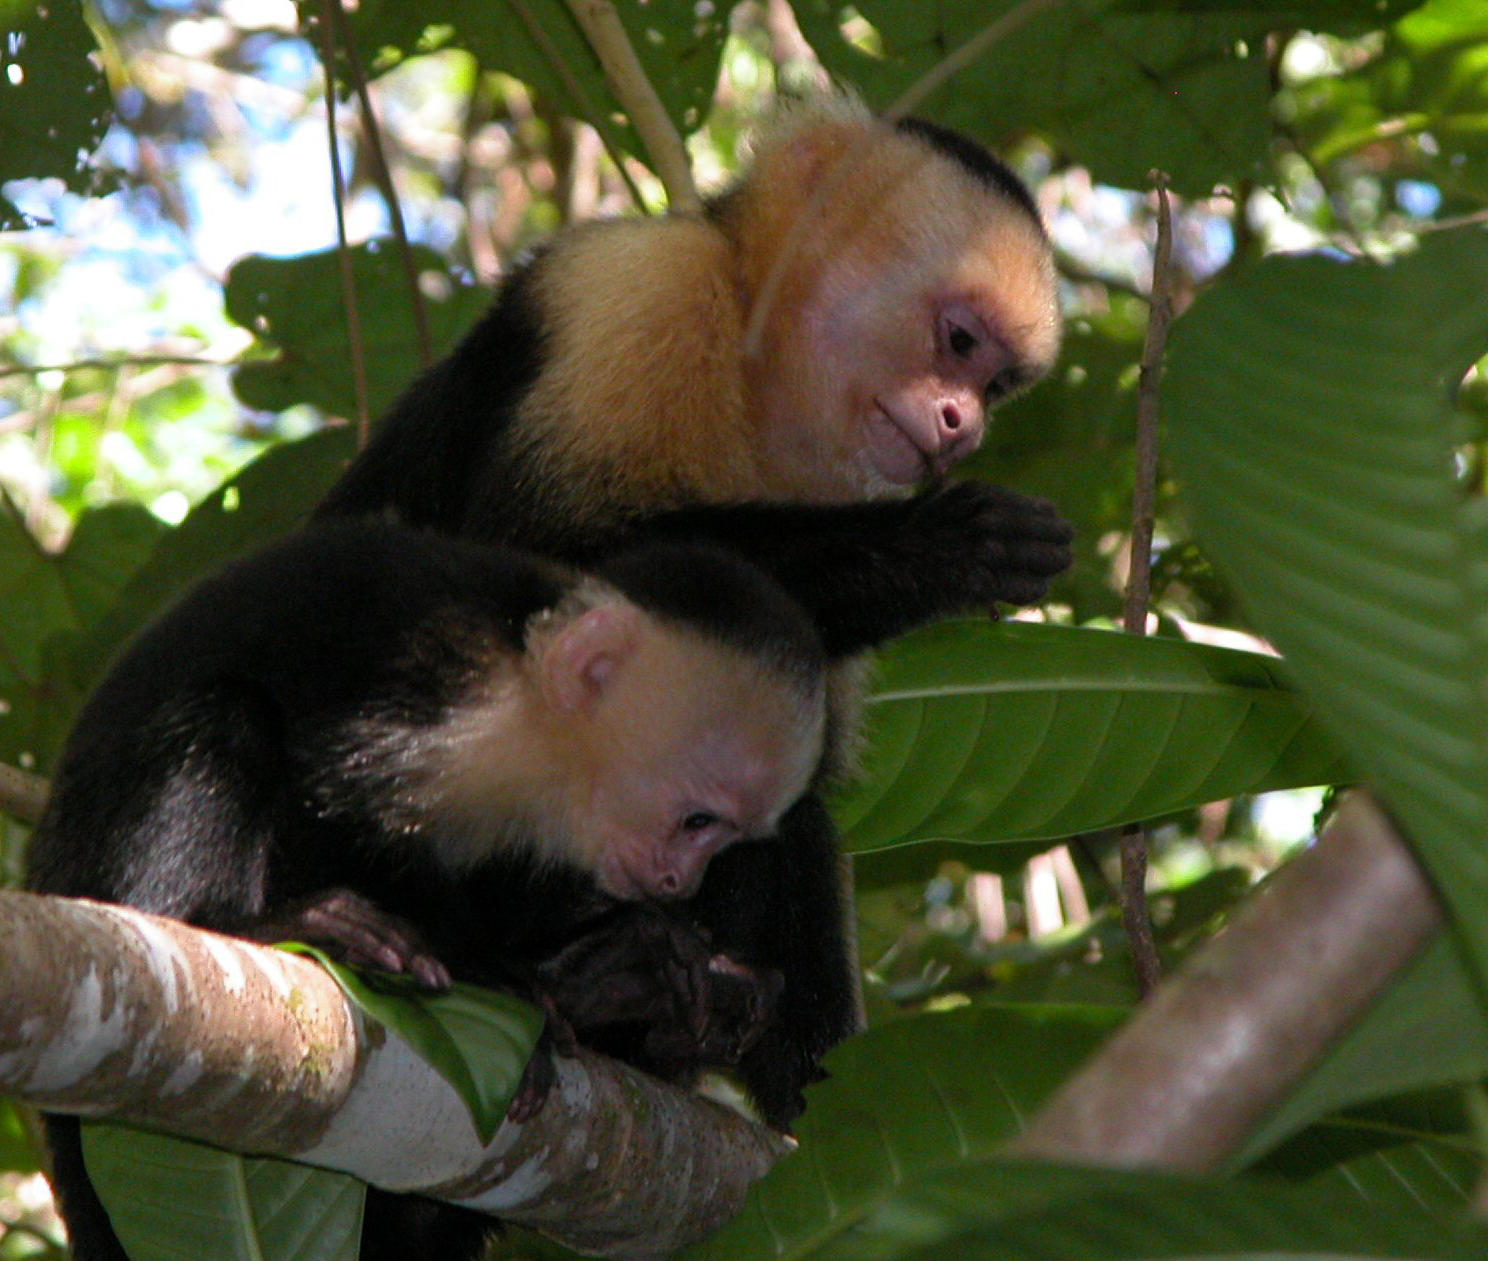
x=901 y=285
x=457 y=761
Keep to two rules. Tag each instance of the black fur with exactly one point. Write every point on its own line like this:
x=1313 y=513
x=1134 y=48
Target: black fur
x=971 y=157
x=209 y=778
x=864 y=572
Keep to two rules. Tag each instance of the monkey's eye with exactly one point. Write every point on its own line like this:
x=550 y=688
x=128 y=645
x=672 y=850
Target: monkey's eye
x=1003 y=384
x=698 y=820
x=962 y=343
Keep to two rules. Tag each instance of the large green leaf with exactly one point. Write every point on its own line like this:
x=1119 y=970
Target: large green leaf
x=294 y=306
x=678 y=44
x=1004 y=732
x=169 y=1200
x=54 y=98
x=1417 y=1153
x=1188 y=101
x=904 y=1100
x=988 y=1210
x=1313 y=432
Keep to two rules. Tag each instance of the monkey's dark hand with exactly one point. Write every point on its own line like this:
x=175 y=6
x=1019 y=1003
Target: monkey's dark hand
x=981 y=544
x=356 y=931
x=654 y=985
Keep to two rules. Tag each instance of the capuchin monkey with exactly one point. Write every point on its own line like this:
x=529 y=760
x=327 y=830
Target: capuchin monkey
x=456 y=761
x=775 y=376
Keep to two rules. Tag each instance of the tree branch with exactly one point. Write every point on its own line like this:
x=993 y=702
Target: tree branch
x=1133 y=844
x=1229 y=1035
x=356 y=344
x=384 y=176
x=593 y=115
x=638 y=97
x=22 y=794
x=103 y=1006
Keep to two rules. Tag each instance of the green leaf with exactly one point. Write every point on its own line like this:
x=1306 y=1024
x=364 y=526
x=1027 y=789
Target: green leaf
x=904 y=1100
x=268 y=498
x=1412 y=1154
x=992 y=1210
x=477 y=1039
x=679 y=46
x=173 y=1200
x=1188 y=101
x=1012 y=732
x=47 y=602
x=16 y=1152
x=294 y=306
x=1311 y=426
x=54 y=98
x=1428 y=79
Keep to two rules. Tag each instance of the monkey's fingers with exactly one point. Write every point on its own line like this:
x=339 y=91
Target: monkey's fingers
x=360 y=933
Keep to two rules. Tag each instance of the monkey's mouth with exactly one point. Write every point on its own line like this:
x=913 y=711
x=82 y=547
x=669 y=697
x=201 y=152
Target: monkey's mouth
x=896 y=451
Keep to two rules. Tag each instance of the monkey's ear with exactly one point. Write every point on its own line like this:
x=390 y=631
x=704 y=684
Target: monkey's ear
x=585 y=655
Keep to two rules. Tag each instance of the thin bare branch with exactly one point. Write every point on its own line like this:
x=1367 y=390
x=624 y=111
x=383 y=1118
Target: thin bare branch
x=593 y=115
x=115 y=364
x=1133 y=846
x=954 y=62
x=22 y=795
x=343 y=250
x=384 y=176
x=638 y=97
x=1183 y=1085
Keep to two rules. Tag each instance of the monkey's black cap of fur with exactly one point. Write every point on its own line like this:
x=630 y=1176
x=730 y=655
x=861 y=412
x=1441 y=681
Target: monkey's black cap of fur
x=975 y=160
x=718 y=592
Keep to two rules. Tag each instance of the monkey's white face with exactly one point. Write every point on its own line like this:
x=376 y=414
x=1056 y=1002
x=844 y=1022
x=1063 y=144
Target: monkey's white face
x=691 y=747
x=659 y=820
x=942 y=305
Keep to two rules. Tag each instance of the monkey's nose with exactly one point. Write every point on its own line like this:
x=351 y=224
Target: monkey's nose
x=960 y=431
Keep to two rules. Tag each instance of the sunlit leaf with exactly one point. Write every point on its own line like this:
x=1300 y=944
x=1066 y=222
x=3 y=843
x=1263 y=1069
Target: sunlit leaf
x=54 y=98
x=679 y=46
x=294 y=306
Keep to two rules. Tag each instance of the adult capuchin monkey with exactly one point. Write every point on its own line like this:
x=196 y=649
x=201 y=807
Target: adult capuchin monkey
x=902 y=285
x=452 y=760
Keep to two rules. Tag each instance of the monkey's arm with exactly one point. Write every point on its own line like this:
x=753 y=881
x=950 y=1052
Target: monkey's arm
x=868 y=572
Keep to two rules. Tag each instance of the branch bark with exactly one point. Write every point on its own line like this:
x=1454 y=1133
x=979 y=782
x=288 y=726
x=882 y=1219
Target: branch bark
x=22 y=794
x=1133 y=845
x=107 y=1011
x=1228 y=1036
